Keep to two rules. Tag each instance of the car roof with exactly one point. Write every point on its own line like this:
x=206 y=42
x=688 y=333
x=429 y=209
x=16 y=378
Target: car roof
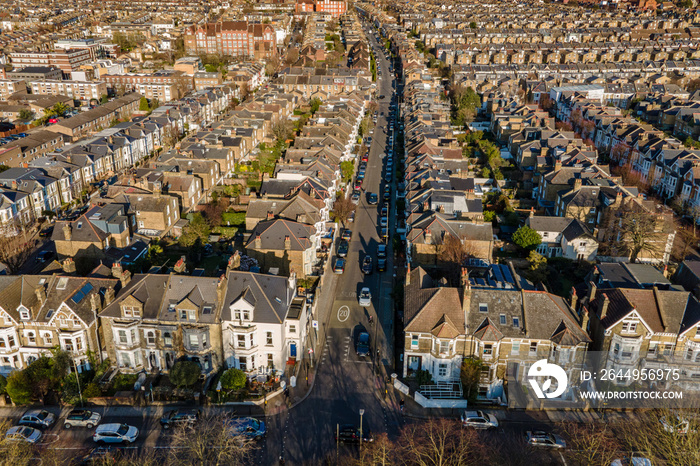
x=34 y=412
x=108 y=427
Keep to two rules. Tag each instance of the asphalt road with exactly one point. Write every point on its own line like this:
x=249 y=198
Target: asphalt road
x=345 y=382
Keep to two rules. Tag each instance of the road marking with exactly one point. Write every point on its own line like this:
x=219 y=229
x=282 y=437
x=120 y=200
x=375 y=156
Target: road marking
x=343 y=313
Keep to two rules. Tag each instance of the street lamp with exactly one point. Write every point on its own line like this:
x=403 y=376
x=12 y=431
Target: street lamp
x=362 y=412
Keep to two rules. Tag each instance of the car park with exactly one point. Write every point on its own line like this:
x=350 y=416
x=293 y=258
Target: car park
x=343 y=247
x=362 y=344
x=249 y=427
x=37 y=418
x=179 y=417
x=365 y=298
x=543 y=439
x=82 y=418
x=339 y=266
x=479 y=420
x=23 y=434
x=367 y=265
x=115 y=433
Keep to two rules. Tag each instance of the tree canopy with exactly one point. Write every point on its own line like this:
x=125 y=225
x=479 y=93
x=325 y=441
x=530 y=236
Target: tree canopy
x=527 y=238
x=233 y=379
x=185 y=373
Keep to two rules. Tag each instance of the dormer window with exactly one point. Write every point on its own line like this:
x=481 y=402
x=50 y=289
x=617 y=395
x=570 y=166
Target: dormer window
x=629 y=327
x=483 y=307
x=24 y=313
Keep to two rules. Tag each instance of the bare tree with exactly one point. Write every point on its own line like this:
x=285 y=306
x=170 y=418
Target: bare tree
x=634 y=230
x=292 y=56
x=15 y=250
x=342 y=208
x=15 y=452
x=214 y=440
x=590 y=444
x=441 y=442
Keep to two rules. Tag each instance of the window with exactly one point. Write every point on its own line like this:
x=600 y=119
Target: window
x=24 y=314
x=270 y=360
x=442 y=370
x=122 y=337
x=268 y=338
x=194 y=341
x=3 y=343
x=183 y=314
x=31 y=337
x=292 y=329
x=242 y=363
x=616 y=349
x=151 y=337
x=49 y=314
x=533 y=347
x=414 y=341
x=126 y=360
x=171 y=308
x=252 y=339
x=668 y=349
x=689 y=354
x=204 y=340
x=241 y=341
x=697 y=332
x=127 y=311
x=79 y=344
x=516 y=322
x=167 y=339
x=68 y=344
x=246 y=315
x=503 y=319
x=252 y=363
x=483 y=307
x=629 y=327
x=237 y=315
x=206 y=310
x=444 y=347
x=488 y=349
x=515 y=347
x=48 y=339
x=652 y=348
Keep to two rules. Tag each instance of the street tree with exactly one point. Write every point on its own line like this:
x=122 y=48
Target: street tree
x=593 y=444
x=342 y=208
x=185 y=373
x=441 y=442
x=527 y=238
x=15 y=249
x=214 y=441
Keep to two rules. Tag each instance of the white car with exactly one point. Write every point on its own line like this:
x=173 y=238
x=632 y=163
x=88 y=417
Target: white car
x=365 y=297
x=479 y=420
x=631 y=462
x=23 y=434
x=675 y=424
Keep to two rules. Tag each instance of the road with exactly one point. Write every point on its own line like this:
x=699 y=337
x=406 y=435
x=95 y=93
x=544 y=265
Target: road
x=346 y=383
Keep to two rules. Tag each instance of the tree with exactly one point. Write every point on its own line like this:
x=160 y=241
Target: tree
x=315 y=104
x=185 y=373
x=440 y=442
x=469 y=375
x=637 y=232
x=196 y=232
x=233 y=379
x=292 y=56
x=215 y=440
x=26 y=114
x=347 y=169
x=527 y=238
x=537 y=272
x=3 y=384
x=472 y=25
x=18 y=453
x=342 y=208
x=282 y=130
x=15 y=249
x=19 y=387
x=592 y=444
x=143 y=104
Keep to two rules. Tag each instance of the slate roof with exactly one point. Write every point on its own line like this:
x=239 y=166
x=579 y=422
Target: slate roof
x=270 y=294
x=272 y=235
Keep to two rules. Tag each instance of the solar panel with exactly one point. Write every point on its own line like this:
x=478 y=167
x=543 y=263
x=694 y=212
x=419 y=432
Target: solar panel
x=80 y=295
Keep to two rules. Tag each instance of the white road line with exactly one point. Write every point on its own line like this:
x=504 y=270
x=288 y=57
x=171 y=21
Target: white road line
x=562 y=458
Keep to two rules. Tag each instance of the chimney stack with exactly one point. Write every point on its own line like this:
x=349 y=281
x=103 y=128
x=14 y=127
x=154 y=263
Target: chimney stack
x=574 y=298
x=287 y=243
x=258 y=242
x=591 y=293
x=584 y=319
x=117 y=270
x=428 y=237
x=532 y=212
x=604 y=309
x=557 y=165
x=95 y=303
x=408 y=275
x=68 y=265
x=109 y=296
x=577 y=184
x=270 y=215
x=221 y=290
x=126 y=278
x=68 y=232
x=40 y=294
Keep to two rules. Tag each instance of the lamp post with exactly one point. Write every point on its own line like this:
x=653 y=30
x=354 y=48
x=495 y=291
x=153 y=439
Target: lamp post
x=77 y=379
x=362 y=412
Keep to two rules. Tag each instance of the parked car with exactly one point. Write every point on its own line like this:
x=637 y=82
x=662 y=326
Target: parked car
x=381 y=251
x=82 y=418
x=37 y=418
x=179 y=417
x=249 y=427
x=367 y=265
x=339 y=266
x=381 y=265
x=351 y=217
x=355 y=198
x=634 y=461
x=479 y=420
x=384 y=233
x=343 y=247
x=115 y=433
x=350 y=433
x=373 y=199
x=46 y=232
x=539 y=438
x=383 y=221
x=23 y=434
x=347 y=234
x=365 y=298
x=675 y=423
x=362 y=345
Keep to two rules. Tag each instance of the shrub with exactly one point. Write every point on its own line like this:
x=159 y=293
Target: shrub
x=19 y=387
x=233 y=379
x=185 y=373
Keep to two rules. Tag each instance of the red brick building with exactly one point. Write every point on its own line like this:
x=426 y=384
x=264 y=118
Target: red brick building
x=333 y=7
x=66 y=60
x=233 y=38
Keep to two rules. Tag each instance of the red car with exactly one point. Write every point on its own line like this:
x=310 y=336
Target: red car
x=365 y=158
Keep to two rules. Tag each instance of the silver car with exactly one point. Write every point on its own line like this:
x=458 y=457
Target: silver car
x=23 y=434
x=544 y=439
x=365 y=297
x=37 y=418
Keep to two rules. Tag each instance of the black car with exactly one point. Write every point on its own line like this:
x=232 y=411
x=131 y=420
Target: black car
x=367 y=265
x=373 y=199
x=350 y=433
x=343 y=248
x=179 y=417
x=381 y=265
x=46 y=232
